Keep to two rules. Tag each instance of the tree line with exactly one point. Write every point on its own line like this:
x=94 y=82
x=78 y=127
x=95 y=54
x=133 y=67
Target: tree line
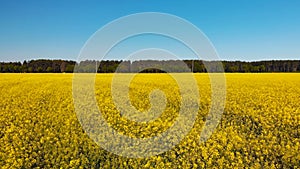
x=147 y=66
x=38 y=66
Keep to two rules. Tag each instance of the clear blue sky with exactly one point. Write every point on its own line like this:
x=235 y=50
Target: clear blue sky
x=239 y=29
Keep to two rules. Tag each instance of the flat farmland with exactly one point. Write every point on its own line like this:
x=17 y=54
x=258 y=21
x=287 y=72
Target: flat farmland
x=259 y=128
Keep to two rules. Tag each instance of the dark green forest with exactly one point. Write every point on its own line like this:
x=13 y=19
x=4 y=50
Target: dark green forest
x=152 y=66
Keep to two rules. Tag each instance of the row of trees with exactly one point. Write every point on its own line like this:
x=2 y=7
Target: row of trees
x=38 y=66
x=147 y=66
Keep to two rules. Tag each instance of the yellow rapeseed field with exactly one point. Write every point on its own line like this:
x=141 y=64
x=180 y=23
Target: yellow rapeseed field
x=260 y=126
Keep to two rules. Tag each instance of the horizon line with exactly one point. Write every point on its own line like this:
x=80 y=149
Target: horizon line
x=223 y=60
